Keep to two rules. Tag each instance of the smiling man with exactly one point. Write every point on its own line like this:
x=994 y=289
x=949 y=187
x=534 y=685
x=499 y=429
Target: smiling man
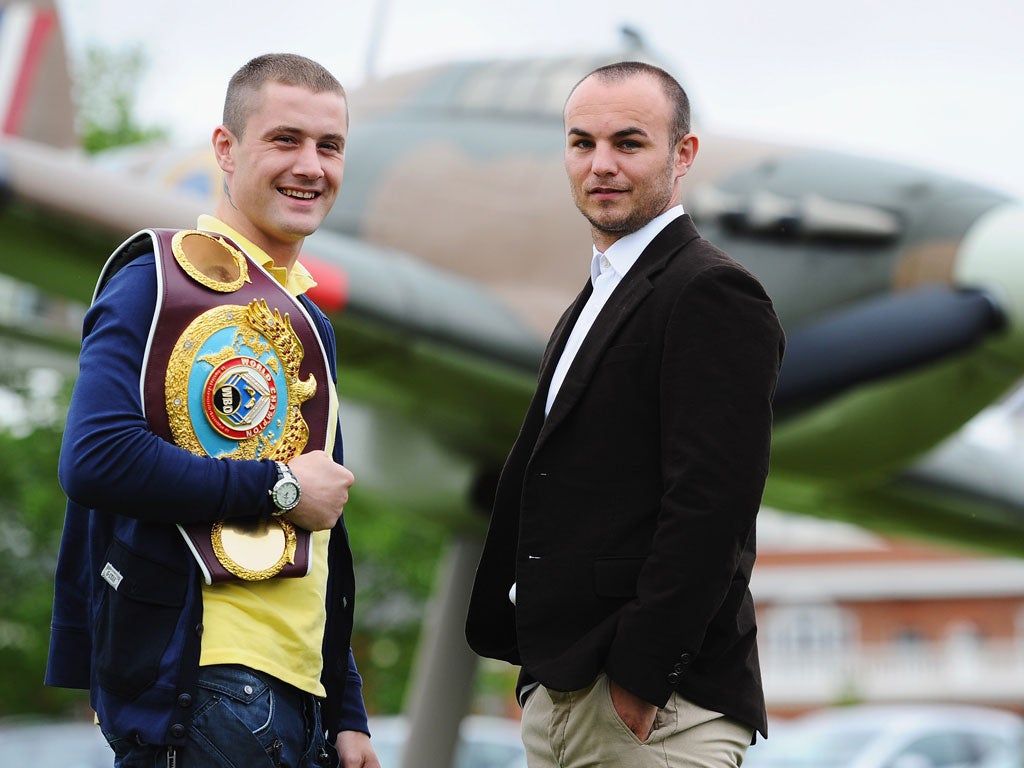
x=282 y=151
x=621 y=542
x=205 y=590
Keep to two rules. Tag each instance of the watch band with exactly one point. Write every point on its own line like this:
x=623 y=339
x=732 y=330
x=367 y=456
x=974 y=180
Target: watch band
x=286 y=491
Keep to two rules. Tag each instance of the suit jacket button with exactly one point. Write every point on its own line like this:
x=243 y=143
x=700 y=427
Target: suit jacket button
x=673 y=678
x=686 y=658
x=678 y=668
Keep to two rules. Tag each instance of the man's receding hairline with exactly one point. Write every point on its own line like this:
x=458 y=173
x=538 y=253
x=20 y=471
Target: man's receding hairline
x=617 y=77
x=667 y=84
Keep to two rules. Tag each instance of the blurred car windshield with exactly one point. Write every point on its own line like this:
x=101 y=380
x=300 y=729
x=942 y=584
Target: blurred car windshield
x=894 y=737
x=824 y=748
x=53 y=745
x=484 y=742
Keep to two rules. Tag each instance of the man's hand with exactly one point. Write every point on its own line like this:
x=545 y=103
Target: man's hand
x=637 y=714
x=324 y=487
x=355 y=750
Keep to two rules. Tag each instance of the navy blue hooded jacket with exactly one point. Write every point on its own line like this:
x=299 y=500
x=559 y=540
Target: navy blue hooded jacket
x=137 y=648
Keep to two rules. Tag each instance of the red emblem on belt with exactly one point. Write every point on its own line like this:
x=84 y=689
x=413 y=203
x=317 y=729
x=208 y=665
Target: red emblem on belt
x=240 y=398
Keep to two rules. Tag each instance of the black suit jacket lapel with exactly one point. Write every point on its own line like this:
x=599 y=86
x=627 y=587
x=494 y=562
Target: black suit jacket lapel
x=556 y=343
x=559 y=338
x=626 y=297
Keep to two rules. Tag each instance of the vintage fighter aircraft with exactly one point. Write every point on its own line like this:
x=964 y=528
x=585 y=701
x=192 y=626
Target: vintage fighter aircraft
x=455 y=246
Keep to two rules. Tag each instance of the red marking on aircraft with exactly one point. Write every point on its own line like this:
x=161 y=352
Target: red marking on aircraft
x=34 y=36
x=331 y=290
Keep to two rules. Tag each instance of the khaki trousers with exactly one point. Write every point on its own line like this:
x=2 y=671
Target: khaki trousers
x=581 y=729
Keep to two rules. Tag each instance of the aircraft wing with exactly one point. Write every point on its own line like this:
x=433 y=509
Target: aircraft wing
x=967 y=491
x=428 y=345
x=422 y=343
x=441 y=350
x=976 y=475
x=438 y=351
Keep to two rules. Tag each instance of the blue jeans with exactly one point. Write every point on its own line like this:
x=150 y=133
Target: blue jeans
x=242 y=719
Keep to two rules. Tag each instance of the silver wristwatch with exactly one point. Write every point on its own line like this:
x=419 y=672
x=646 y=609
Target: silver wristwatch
x=286 y=492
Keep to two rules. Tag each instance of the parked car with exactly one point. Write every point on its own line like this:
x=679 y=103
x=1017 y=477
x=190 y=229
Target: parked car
x=918 y=736
x=485 y=742
x=53 y=744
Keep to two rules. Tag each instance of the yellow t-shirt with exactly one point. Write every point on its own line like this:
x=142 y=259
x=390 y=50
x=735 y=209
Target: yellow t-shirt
x=277 y=625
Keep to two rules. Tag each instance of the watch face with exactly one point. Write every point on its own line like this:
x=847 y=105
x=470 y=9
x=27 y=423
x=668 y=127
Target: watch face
x=286 y=495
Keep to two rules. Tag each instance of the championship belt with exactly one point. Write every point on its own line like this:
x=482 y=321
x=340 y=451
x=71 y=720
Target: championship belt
x=232 y=371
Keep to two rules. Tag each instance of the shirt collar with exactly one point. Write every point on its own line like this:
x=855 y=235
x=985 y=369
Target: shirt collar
x=296 y=282
x=624 y=252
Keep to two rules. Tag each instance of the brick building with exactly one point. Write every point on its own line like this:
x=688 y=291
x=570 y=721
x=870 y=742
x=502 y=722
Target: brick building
x=845 y=615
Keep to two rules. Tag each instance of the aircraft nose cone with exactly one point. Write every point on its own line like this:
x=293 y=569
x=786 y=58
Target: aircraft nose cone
x=991 y=258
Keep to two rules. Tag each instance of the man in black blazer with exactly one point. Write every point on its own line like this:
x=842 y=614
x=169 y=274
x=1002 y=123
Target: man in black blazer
x=621 y=542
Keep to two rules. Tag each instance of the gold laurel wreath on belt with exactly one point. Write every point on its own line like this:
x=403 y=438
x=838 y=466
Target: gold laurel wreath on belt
x=246 y=550
x=210 y=261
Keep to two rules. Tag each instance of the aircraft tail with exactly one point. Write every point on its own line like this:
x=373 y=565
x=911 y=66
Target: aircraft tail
x=35 y=83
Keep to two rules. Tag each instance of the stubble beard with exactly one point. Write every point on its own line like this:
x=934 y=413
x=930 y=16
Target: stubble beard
x=643 y=210
x=630 y=221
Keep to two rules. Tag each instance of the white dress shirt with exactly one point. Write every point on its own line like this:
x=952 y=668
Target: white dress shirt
x=606 y=272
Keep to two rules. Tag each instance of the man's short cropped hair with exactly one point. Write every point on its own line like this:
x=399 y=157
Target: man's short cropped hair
x=284 y=68
x=623 y=70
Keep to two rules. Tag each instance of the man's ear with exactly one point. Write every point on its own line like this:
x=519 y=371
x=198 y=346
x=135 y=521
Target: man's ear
x=685 y=153
x=223 y=144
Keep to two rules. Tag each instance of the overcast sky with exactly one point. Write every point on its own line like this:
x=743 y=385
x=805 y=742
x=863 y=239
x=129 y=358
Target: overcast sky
x=930 y=82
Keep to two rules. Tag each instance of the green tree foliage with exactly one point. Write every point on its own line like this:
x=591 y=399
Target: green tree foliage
x=396 y=559
x=107 y=83
x=395 y=566
x=396 y=554
x=31 y=517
